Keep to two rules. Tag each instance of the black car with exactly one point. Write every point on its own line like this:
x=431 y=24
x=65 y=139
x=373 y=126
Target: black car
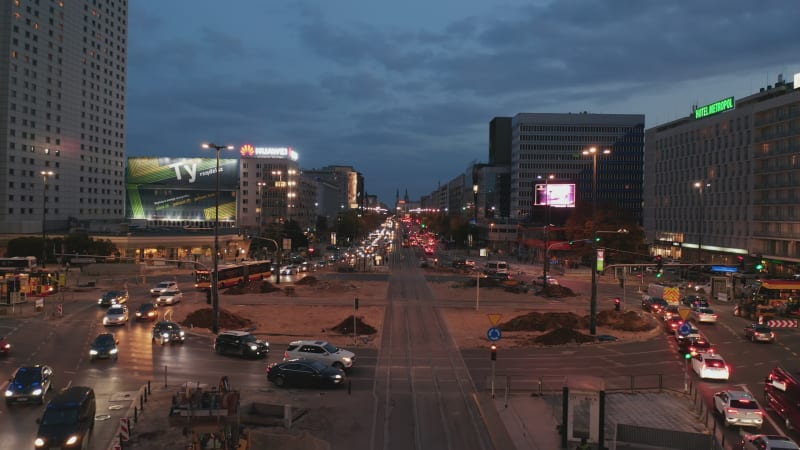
x=68 y=420
x=104 y=347
x=694 y=346
x=147 y=311
x=695 y=301
x=654 y=304
x=166 y=331
x=30 y=384
x=304 y=373
x=113 y=298
x=240 y=343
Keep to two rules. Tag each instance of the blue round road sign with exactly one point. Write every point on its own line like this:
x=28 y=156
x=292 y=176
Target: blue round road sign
x=685 y=329
x=494 y=334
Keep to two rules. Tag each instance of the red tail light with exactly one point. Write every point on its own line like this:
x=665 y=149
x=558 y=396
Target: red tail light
x=286 y=355
x=732 y=410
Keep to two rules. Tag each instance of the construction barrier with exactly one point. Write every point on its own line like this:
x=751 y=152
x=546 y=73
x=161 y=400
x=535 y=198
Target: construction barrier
x=124 y=430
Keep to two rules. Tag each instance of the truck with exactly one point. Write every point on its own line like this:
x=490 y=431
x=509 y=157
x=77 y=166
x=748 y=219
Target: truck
x=671 y=294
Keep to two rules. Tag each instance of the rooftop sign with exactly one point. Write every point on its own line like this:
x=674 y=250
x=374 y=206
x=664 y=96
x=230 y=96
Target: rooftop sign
x=249 y=151
x=715 y=108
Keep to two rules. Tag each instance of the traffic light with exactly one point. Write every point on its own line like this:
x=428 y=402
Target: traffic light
x=616 y=304
x=494 y=352
x=740 y=258
x=659 y=263
x=760 y=265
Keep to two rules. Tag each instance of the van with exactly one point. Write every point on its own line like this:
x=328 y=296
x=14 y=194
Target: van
x=782 y=394
x=68 y=420
x=496 y=267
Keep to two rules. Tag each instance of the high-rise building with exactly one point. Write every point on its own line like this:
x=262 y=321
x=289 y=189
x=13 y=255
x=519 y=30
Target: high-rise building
x=552 y=144
x=63 y=74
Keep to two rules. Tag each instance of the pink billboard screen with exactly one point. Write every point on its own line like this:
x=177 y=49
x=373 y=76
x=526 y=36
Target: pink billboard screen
x=555 y=195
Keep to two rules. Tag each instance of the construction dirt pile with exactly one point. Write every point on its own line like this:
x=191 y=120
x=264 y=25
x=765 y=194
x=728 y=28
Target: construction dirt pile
x=361 y=327
x=562 y=327
x=203 y=318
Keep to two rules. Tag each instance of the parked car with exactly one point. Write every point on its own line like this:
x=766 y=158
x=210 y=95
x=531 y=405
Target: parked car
x=240 y=343
x=29 y=384
x=304 y=373
x=167 y=331
x=116 y=315
x=163 y=287
x=110 y=298
x=5 y=346
x=68 y=420
x=104 y=346
x=321 y=351
x=756 y=332
x=737 y=407
x=147 y=311
x=170 y=297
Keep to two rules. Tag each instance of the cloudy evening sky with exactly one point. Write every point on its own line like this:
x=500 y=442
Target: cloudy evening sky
x=404 y=90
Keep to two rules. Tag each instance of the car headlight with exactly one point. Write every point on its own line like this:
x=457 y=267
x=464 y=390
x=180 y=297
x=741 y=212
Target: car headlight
x=100 y=301
x=72 y=440
x=338 y=376
x=105 y=320
x=114 y=351
x=92 y=352
x=138 y=314
x=37 y=391
x=182 y=333
x=346 y=359
x=253 y=347
x=9 y=392
x=7 y=346
x=38 y=442
x=165 y=335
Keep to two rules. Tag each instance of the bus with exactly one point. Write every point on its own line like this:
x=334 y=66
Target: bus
x=234 y=274
x=18 y=264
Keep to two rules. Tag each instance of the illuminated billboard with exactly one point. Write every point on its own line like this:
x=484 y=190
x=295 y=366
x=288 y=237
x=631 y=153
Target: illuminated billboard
x=181 y=188
x=555 y=195
x=250 y=151
x=721 y=106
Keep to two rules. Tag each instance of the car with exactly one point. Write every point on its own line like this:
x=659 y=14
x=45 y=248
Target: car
x=694 y=345
x=170 y=297
x=498 y=276
x=704 y=288
x=768 y=442
x=782 y=393
x=738 y=407
x=669 y=312
x=540 y=280
x=104 y=346
x=168 y=331
x=5 y=346
x=692 y=300
x=241 y=343
x=304 y=373
x=163 y=287
x=694 y=332
x=321 y=351
x=291 y=269
x=710 y=366
x=113 y=298
x=68 y=420
x=756 y=332
x=654 y=304
x=705 y=315
x=672 y=324
x=116 y=315
x=29 y=384
x=147 y=311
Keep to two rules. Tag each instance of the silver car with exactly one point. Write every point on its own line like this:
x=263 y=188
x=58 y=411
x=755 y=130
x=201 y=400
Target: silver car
x=116 y=315
x=170 y=297
x=321 y=351
x=737 y=407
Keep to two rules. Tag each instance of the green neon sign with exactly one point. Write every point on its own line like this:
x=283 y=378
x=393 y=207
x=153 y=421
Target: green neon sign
x=715 y=108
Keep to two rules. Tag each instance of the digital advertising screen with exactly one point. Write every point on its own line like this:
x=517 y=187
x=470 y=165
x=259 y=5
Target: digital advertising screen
x=555 y=195
x=181 y=188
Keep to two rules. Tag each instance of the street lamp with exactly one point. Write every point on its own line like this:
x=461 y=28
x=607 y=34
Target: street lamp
x=701 y=186
x=45 y=174
x=593 y=152
x=215 y=276
x=260 y=202
x=546 y=264
x=593 y=308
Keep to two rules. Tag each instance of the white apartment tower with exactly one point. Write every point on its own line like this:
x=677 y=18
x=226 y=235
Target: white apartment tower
x=63 y=73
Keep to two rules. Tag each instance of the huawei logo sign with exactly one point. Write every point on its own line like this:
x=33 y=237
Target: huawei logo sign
x=247 y=150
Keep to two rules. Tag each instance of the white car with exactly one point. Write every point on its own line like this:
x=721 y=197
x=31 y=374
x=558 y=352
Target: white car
x=163 y=287
x=289 y=270
x=704 y=288
x=705 y=315
x=737 y=407
x=169 y=297
x=540 y=281
x=116 y=315
x=320 y=351
x=710 y=366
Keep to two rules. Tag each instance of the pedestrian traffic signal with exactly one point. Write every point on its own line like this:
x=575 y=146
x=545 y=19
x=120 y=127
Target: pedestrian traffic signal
x=740 y=258
x=616 y=304
x=494 y=352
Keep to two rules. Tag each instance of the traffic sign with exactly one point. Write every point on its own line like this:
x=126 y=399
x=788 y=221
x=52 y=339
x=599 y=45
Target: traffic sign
x=782 y=323
x=494 y=334
x=685 y=329
x=494 y=318
x=684 y=312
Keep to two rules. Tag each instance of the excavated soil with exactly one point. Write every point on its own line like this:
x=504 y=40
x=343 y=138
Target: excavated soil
x=563 y=327
x=203 y=318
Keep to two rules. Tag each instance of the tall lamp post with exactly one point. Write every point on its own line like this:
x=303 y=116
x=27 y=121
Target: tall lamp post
x=701 y=186
x=45 y=174
x=546 y=263
x=593 y=152
x=261 y=185
x=215 y=276
x=475 y=212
